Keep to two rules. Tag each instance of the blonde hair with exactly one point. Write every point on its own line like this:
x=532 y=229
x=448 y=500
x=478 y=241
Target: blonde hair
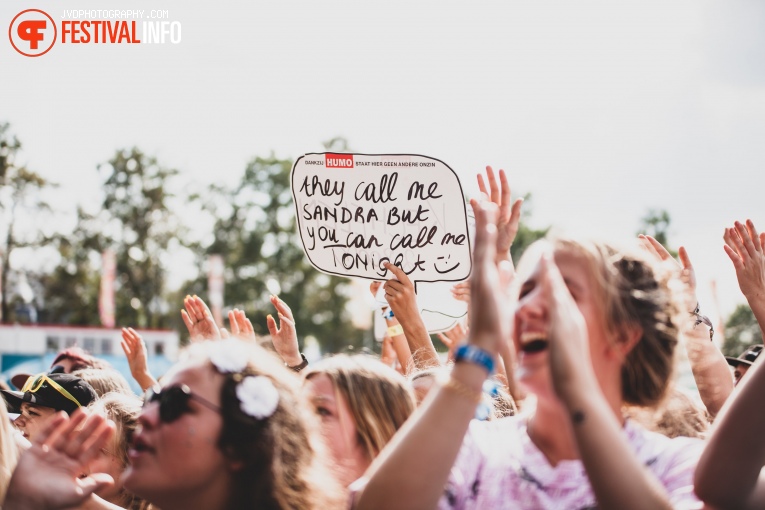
x=281 y=454
x=632 y=290
x=379 y=398
x=677 y=416
x=124 y=411
x=104 y=380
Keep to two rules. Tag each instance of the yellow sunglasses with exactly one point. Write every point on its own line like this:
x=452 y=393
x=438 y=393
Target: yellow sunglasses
x=35 y=382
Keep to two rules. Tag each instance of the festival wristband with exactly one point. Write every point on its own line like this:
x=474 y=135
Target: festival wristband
x=388 y=314
x=395 y=330
x=473 y=354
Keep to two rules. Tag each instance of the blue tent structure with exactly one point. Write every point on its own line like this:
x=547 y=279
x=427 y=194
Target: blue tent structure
x=158 y=365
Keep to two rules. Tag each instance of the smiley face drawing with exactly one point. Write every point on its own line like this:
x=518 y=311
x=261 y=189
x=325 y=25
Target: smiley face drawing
x=446 y=266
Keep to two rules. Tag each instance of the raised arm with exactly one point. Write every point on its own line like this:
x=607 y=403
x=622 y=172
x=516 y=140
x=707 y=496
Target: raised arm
x=411 y=471
x=284 y=335
x=710 y=370
x=135 y=350
x=396 y=333
x=618 y=478
x=509 y=216
x=199 y=320
x=746 y=250
x=729 y=472
x=399 y=292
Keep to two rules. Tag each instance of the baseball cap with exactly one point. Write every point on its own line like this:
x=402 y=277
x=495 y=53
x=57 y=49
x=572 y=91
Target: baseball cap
x=62 y=392
x=745 y=358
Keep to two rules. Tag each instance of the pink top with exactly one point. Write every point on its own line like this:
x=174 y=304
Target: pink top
x=499 y=467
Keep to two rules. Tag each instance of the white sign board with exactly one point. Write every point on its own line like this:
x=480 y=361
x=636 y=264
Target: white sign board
x=356 y=211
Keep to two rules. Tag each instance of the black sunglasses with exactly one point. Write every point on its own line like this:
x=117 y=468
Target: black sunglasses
x=174 y=401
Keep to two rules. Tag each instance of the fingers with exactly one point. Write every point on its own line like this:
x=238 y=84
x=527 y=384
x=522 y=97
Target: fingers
x=126 y=349
x=485 y=232
x=187 y=320
x=743 y=234
x=738 y=244
x=286 y=323
x=52 y=428
x=232 y=323
x=762 y=241
x=224 y=333
x=658 y=248
x=398 y=274
x=494 y=194
x=515 y=215
x=684 y=258
x=281 y=306
x=445 y=340
x=754 y=235
x=271 y=324
x=80 y=435
x=738 y=264
x=63 y=435
x=94 y=483
x=505 y=207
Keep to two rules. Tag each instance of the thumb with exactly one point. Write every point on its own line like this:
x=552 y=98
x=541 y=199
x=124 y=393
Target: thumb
x=94 y=483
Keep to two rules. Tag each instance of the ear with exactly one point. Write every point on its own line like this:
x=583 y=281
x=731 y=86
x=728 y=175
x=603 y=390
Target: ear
x=626 y=339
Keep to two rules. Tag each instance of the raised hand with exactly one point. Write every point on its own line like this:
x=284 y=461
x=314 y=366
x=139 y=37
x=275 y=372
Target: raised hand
x=454 y=337
x=284 y=336
x=241 y=326
x=746 y=249
x=687 y=273
x=567 y=333
x=135 y=350
x=489 y=318
x=199 y=320
x=50 y=474
x=509 y=212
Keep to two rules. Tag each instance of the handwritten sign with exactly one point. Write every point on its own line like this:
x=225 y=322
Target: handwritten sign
x=356 y=211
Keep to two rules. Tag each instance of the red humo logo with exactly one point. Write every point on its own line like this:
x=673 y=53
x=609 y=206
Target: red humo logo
x=29 y=29
x=338 y=160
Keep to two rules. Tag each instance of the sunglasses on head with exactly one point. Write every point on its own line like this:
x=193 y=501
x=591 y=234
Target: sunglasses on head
x=174 y=401
x=35 y=382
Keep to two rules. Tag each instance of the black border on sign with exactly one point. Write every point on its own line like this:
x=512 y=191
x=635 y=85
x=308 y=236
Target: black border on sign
x=300 y=233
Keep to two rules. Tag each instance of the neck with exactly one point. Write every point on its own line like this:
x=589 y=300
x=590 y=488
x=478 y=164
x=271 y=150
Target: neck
x=551 y=430
x=214 y=497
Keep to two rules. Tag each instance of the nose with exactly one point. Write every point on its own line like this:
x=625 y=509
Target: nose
x=531 y=307
x=20 y=422
x=149 y=417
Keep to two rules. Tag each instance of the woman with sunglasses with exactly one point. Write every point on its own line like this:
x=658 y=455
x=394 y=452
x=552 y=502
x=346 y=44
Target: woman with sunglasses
x=594 y=332
x=44 y=394
x=227 y=430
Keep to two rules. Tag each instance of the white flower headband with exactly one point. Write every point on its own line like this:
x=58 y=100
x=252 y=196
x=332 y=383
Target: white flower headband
x=256 y=393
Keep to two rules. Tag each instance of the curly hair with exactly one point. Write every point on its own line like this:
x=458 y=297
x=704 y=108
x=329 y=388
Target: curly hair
x=279 y=455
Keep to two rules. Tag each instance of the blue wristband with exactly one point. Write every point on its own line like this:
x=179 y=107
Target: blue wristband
x=388 y=314
x=476 y=355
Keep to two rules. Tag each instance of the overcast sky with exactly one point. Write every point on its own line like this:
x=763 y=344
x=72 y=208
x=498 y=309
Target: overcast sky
x=602 y=110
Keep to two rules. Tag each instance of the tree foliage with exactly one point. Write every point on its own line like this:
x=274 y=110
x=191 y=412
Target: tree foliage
x=656 y=224
x=21 y=199
x=741 y=331
x=255 y=232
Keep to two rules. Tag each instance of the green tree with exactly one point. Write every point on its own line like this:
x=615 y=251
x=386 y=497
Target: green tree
x=255 y=232
x=21 y=199
x=526 y=235
x=139 y=225
x=741 y=331
x=70 y=291
x=656 y=224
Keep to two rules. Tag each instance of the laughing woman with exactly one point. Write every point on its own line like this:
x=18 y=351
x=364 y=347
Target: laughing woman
x=594 y=333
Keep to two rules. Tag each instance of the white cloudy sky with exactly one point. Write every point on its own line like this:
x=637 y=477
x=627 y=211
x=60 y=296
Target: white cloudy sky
x=601 y=110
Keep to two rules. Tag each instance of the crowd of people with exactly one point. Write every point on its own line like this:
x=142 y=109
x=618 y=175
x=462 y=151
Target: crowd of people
x=559 y=391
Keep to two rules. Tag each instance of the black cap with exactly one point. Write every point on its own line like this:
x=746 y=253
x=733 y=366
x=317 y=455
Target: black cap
x=47 y=395
x=745 y=358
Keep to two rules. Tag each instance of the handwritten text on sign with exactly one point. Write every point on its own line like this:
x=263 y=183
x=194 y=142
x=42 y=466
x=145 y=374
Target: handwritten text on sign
x=356 y=211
